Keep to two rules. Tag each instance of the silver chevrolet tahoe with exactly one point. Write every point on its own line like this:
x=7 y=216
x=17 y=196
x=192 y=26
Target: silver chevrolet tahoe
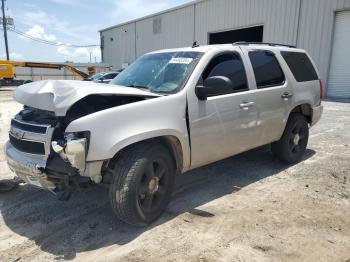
x=168 y=112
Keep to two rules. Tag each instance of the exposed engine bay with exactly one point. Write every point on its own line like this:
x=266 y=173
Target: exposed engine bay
x=86 y=106
x=95 y=103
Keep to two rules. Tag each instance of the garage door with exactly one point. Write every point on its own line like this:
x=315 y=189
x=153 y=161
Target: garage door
x=339 y=75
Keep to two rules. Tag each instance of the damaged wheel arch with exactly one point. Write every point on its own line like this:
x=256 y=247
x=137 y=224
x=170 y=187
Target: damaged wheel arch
x=172 y=143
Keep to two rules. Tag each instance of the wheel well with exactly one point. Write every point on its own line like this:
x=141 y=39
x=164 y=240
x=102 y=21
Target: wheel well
x=305 y=110
x=172 y=143
x=175 y=148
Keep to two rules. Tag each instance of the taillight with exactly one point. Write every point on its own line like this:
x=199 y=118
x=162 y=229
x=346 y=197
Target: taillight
x=321 y=91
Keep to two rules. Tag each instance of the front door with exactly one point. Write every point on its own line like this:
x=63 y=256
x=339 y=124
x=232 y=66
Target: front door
x=223 y=124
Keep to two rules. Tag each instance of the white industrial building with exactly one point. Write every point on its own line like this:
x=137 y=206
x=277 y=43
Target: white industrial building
x=322 y=27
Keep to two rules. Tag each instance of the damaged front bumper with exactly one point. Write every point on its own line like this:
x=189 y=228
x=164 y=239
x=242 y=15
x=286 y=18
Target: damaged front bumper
x=43 y=156
x=28 y=168
x=72 y=150
x=54 y=173
x=65 y=168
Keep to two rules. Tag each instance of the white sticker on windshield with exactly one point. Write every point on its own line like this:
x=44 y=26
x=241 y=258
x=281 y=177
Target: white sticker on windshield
x=181 y=60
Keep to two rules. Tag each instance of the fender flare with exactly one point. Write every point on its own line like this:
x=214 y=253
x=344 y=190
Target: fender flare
x=301 y=103
x=136 y=138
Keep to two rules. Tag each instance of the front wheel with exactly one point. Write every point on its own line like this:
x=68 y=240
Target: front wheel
x=292 y=145
x=142 y=182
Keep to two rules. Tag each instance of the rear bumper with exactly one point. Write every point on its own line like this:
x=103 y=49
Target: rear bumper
x=316 y=114
x=30 y=168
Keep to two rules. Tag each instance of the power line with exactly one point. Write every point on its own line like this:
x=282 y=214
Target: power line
x=4 y=22
x=46 y=41
x=43 y=41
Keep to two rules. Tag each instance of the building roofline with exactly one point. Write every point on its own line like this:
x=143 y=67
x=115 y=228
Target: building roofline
x=192 y=3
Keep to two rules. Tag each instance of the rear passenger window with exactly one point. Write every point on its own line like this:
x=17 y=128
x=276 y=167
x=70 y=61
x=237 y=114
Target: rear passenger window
x=300 y=65
x=231 y=66
x=267 y=70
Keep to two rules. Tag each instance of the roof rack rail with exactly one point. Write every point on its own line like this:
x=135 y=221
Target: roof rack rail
x=262 y=43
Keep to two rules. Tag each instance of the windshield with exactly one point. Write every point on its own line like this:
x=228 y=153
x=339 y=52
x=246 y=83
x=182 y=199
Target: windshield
x=160 y=72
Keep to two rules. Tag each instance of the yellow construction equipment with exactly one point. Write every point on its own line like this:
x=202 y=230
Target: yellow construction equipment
x=8 y=76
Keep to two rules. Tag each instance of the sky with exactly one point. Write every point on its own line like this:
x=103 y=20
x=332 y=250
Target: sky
x=74 y=22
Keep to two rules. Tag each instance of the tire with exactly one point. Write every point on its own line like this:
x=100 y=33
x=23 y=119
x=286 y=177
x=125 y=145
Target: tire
x=142 y=182
x=292 y=145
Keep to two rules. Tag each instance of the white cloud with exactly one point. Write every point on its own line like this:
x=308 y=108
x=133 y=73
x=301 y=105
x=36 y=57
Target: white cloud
x=79 y=54
x=13 y=56
x=57 y=24
x=38 y=32
x=40 y=17
x=125 y=10
x=64 y=53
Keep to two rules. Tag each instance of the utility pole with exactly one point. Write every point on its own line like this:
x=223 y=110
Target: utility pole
x=5 y=29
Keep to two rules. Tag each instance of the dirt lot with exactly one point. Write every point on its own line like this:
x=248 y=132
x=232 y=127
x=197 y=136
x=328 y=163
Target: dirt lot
x=246 y=208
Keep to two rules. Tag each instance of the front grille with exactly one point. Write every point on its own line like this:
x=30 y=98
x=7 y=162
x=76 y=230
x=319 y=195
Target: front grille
x=31 y=133
x=28 y=146
x=29 y=127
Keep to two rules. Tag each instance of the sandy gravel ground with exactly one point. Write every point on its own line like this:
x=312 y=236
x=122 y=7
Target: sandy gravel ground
x=246 y=208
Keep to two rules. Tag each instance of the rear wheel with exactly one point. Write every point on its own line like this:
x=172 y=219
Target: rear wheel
x=292 y=145
x=142 y=182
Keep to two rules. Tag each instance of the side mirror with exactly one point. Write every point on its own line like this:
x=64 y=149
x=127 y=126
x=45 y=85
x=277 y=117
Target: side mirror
x=215 y=85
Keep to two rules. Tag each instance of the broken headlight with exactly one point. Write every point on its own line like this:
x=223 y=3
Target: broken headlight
x=73 y=149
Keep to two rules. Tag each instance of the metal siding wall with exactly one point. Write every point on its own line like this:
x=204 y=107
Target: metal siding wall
x=311 y=29
x=122 y=48
x=279 y=18
x=316 y=30
x=176 y=31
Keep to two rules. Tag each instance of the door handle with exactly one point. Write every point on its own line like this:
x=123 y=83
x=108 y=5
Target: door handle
x=286 y=95
x=246 y=105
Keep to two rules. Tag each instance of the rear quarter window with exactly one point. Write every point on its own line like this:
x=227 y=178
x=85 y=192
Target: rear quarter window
x=300 y=65
x=267 y=70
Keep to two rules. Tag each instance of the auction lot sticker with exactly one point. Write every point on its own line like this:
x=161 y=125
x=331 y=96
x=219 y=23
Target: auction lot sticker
x=181 y=60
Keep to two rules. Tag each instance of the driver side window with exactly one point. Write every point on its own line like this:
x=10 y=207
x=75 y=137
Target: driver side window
x=231 y=66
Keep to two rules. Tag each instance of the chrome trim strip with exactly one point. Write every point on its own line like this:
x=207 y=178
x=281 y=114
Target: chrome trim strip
x=27 y=135
x=26 y=153
x=26 y=123
x=30 y=124
x=41 y=157
x=29 y=140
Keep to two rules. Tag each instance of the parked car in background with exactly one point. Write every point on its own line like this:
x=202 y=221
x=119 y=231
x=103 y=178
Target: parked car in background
x=169 y=112
x=103 y=77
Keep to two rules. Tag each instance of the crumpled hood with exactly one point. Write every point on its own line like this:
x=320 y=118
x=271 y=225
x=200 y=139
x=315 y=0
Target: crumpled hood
x=59 y=95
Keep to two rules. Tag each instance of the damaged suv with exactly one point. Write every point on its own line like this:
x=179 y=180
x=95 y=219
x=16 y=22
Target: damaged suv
x=169 y=112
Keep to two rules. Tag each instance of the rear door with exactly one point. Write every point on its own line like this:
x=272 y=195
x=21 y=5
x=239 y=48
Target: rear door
x=274 y=94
